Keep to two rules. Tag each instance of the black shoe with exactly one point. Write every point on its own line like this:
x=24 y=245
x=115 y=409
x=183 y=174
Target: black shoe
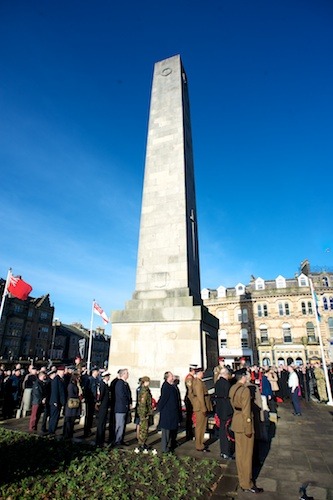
x=124 y=443
x=254 y=489
x=226 y=457
x=297 y=414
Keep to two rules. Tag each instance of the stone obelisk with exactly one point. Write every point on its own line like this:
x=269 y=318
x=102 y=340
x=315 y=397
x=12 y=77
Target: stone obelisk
x=165 y=325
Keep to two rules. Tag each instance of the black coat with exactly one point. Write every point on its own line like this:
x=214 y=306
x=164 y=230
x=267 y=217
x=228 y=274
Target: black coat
x=72 y=392
x=223 y=406
x=58 y=393
x=38 y=392
x=168 y=406
x=123 y=397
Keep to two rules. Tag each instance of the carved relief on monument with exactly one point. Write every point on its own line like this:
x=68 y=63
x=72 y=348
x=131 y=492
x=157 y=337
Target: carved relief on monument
x=159 y=280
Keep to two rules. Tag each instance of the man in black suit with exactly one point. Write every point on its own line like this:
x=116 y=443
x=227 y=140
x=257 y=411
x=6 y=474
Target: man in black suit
x=102 y=408
x=224 y=412
x=57 y=398
x=91 y=397
x=123 y=405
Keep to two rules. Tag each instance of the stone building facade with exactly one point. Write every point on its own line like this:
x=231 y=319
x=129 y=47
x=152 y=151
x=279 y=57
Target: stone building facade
x=271 y=322
x=25 y=328
x=72 y=340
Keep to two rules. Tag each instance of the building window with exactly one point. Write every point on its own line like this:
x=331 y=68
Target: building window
x=330 y=327
x=221 y=292
x=223 y=316
x=266 y=362
x=284 y=309
x=302 y=280
x=307 y=308
x=259 y=284
x=287 y=339
x=325 y=281
x=240 y=289
x=242 y=315
x=280 y=282
x=244 y=338
x=331 y=303
x=223 y=339
x=262 y=310
x=205 y=294
x=310 y=332
x=18 y=308
x=263 y=334
x=44 y=315
x=325 y=304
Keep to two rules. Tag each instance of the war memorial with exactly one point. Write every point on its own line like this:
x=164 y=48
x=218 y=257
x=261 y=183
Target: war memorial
x=165 y=326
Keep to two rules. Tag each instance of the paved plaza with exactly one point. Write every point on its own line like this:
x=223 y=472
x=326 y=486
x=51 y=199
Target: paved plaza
x=300 y=452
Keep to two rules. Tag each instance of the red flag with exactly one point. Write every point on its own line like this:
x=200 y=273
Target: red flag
x=98 y=310
x=19 y=288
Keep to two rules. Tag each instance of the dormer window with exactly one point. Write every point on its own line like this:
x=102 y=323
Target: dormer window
x=260 y=284
x=303 y=280
x=240 y=289
x=280 y=282
x=205 y=293
x=221 y=292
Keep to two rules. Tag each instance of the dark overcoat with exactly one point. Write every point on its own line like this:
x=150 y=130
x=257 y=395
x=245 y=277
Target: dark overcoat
x=168 y=406
x=72 y=392
x=123 y=397
x=58 y=393
x=223 y=406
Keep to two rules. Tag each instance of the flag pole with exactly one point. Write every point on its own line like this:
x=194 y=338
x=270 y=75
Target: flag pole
x=5 y=292
x=328 y=385
x=90 y=337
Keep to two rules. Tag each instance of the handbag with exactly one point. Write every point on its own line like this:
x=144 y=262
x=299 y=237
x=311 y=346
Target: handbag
x=73 y=403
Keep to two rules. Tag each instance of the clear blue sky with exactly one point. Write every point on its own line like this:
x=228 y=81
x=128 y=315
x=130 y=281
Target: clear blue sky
x=75 y=81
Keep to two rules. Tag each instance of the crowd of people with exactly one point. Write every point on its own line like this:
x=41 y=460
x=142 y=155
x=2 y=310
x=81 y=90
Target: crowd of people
x=244 y=405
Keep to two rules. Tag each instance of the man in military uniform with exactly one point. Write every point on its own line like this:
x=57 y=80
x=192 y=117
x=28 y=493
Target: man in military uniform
x=218 y=368
x=242 y=425
x=144 y=409
x=202 y=405
x=188 y=404
x=321 y=383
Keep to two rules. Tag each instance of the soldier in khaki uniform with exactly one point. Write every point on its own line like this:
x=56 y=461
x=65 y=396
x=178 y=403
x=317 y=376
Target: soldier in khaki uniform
x=188 y=404
x=321 y=383
x=145 y=409
x=217 y=370
x=242 y=425
x=201 y=406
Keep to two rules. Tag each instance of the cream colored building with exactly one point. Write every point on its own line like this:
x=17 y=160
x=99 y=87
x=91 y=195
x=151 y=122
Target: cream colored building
x=273 y=322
